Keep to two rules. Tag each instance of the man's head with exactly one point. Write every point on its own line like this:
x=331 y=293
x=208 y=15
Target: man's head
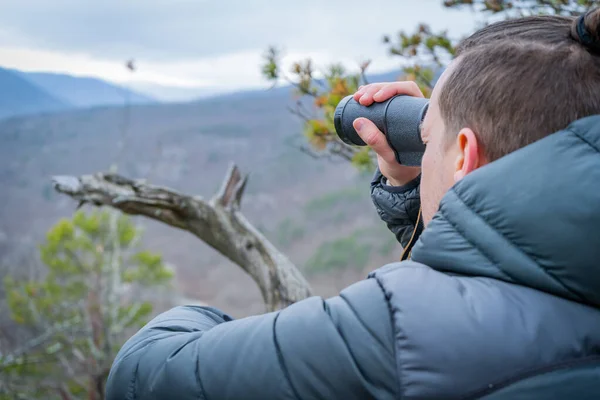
x=511 y=84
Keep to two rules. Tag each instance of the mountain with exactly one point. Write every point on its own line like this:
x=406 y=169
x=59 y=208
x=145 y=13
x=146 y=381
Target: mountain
x=285 y=90
x=187 y=94
x=83 y=91
x=18 y=96
x=175 y=94
x=31 y=93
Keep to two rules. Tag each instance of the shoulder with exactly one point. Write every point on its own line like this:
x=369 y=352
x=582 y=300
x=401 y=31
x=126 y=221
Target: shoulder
x=468 y=333
x=390 y=276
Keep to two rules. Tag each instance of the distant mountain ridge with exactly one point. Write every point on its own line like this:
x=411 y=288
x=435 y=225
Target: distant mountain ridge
x=31 y=93
x=20 y=97
x=389 y=76
x=85 y=91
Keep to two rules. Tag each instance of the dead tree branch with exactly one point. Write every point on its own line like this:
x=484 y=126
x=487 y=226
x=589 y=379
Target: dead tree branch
x=217 y=222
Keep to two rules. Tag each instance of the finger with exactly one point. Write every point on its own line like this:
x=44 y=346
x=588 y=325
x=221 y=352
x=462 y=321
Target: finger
x=373 y=137
x=367 y=97
x=408 y=88
x=361 y=90
x=358 y=93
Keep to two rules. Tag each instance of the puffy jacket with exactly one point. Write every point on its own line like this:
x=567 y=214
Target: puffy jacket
x=398 y=207
x=500 y=300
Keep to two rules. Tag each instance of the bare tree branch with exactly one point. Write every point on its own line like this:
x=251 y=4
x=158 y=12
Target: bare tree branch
x=363 y=71
x=218 y=222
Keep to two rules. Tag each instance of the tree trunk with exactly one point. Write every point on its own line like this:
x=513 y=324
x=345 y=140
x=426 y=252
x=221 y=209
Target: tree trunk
x=218 y=222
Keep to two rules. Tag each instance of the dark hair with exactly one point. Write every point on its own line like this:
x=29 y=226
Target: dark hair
x=519 y=80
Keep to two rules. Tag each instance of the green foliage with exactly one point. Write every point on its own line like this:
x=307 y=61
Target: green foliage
x=147 y=269
x=363 y=160
x=333 y=200
x=423 y=52
x=347 y=252
x=80 y=311
x=526 y=7
x=352 y=251
x=270 y=68
x=326 y=92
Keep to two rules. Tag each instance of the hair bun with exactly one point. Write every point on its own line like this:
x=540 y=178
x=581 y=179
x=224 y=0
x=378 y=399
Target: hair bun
x=586 y=30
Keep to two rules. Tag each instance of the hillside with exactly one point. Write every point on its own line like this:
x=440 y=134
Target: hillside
x=317 y=211
x=20 y=97
x=83 y=91
x=32 y=93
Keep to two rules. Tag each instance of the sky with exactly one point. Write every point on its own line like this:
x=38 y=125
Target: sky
x=189 y=47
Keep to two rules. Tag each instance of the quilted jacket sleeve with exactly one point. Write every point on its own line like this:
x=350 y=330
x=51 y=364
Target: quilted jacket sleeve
x=397 y=206
x=339 y=348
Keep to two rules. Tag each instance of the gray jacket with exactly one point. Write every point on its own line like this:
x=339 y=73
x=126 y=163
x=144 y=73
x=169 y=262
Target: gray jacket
x=500 y=300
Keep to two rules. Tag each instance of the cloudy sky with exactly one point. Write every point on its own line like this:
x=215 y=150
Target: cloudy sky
x=210 y=45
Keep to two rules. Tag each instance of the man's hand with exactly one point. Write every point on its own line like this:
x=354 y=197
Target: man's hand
x=396 y=174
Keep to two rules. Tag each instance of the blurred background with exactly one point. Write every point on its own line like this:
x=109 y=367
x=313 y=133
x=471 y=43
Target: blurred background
x=174 y=92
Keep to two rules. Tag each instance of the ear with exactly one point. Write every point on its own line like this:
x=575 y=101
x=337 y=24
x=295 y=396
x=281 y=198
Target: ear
x=468 y=158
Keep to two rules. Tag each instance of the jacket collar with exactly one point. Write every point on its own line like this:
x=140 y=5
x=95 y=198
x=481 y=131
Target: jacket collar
x=530 y=218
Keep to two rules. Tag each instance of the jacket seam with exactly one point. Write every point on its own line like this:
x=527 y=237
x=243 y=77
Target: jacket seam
x=286 y=372
x=203 y=394
x=473 y=245
x=395 y=352
x=131 y=392
x=377 y=339
x=377 y=200
x=378 y=193
x=530 y=373
x=581 y=137
x=516 y=248
x=351 y=354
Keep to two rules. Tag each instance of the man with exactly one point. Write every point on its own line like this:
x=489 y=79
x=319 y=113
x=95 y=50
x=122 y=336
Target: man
x=501 y=296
